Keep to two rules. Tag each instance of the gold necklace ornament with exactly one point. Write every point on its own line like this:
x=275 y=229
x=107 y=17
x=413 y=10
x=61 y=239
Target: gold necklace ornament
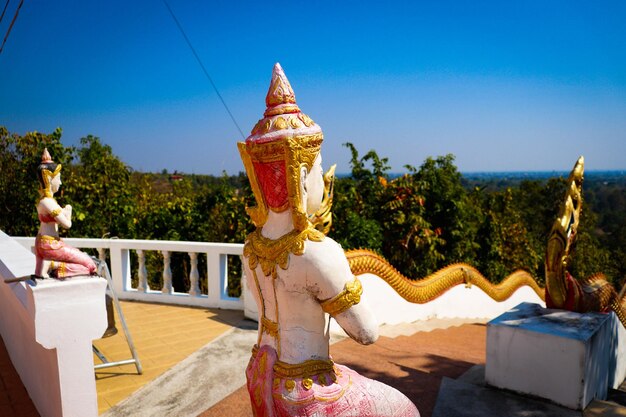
x=271 y=253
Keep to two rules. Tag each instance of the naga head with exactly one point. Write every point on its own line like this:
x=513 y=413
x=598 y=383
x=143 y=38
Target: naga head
x=48 y=174
x=282 y=158
x=563 y=235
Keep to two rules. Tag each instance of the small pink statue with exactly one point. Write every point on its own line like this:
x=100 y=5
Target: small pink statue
x=300 y=278
x=53 y=256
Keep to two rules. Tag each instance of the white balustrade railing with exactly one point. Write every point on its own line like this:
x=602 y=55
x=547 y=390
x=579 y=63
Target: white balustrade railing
x=387 y=305
x=120 y=266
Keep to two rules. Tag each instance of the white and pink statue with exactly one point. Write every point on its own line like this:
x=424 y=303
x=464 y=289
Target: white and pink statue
x=54 y=258
x=300 y=278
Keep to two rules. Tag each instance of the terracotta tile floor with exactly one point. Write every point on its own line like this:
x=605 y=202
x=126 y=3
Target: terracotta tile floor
x=14 y=400
x=163 y=335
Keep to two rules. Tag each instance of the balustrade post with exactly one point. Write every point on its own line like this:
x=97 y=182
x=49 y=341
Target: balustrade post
x=215 y=274
x=120 y=269
x=167 y=273
x=142 y=272
x=242 y=276
x=194 y=276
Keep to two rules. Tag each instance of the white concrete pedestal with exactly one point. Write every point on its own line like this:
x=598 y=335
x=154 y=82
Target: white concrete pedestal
x=48 y=327
x=566 y=357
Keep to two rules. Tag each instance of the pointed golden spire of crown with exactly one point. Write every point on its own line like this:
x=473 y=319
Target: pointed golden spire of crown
x=280 y=98
x=45 y=157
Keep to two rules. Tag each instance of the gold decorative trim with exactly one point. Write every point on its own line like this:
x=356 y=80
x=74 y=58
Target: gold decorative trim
x=266 y=125
x=49 y=239
x=295 y=152
x=47 y=176
x=295 y=123
x=61 y=271
x=56 y=212
x=279 y=123
x=307 y=383
x=284 y=109
x=271 y=253
x=270 y=327
x=308 y=122
x=46 y=193
x=323 y=219
x=313 y=398
x=258 y=213
x=301 y=151
x=306 y=369
x=421 y=291
x=321 y=379
x=351 y=295
x=265 y=152
x=290 y=384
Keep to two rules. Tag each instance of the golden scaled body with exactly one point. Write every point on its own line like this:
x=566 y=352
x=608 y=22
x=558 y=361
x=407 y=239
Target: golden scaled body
x=421 y=291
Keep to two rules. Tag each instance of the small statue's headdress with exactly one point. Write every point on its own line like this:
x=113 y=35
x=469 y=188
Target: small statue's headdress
x=280 y=144
x=45 y=172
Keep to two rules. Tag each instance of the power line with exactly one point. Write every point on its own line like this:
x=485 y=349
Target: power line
x=203 y=68
x=12 y=23
x=5 y=9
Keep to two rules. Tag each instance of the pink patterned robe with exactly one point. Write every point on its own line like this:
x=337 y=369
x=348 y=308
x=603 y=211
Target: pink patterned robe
x=67 y=261
x=338 y=391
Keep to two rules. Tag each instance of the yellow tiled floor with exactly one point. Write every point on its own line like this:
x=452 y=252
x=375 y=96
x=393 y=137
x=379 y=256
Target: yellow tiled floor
x=163 y=335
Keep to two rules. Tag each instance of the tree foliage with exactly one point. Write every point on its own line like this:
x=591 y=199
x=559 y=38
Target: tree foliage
x=421 y=221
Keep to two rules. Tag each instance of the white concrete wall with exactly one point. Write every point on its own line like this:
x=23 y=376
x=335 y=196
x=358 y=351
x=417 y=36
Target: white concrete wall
x=390 y=308
x=48 y=328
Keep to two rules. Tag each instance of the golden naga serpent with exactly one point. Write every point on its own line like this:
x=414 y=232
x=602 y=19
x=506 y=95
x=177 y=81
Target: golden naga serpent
x=421 y=291
x=563 y=291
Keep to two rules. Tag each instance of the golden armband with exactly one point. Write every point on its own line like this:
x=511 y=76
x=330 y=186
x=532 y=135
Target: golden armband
x=55 y=212
x=351 y=295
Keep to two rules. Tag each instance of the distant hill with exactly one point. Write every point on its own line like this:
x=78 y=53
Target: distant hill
x=540 y=175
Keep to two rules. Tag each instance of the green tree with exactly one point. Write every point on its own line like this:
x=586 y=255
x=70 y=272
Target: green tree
x=448 y=209
x=19 y=158
x=505 y=243
x=409 y=241
x=357 y=198
x=99 y=188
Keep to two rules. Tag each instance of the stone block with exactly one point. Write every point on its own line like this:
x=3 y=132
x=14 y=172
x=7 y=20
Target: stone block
x=561 y=356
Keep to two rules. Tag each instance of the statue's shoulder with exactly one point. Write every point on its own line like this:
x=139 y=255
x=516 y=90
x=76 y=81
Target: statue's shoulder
x=47 y=203
x=325 y=253
x=324 y=246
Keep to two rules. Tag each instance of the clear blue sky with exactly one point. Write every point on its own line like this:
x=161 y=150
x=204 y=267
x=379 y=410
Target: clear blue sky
x=526 y=85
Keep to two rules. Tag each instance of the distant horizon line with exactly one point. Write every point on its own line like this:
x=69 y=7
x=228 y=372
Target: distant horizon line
x=588 y=171
x=527 y=173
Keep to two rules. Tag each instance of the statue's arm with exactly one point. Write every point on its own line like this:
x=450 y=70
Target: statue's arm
x=62 y=216
x=340 y=294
